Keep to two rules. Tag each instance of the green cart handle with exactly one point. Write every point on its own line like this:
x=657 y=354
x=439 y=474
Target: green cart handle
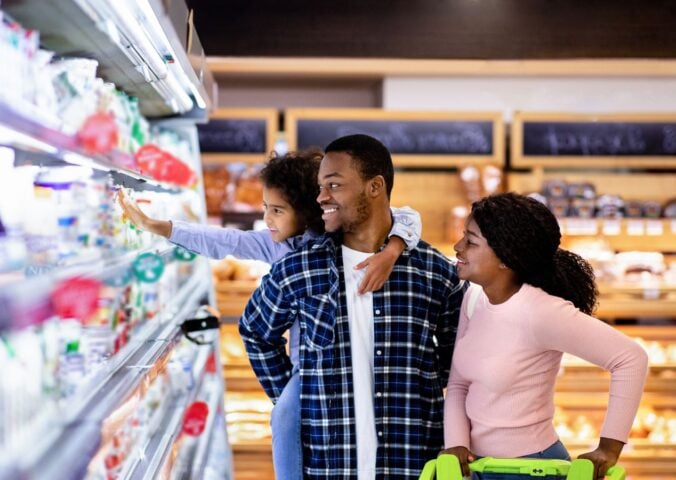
x=447 y=467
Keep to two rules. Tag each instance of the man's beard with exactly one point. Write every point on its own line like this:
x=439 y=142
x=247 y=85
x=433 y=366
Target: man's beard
x=363 y=211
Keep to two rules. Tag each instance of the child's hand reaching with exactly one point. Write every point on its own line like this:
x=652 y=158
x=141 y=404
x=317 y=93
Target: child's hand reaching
x=379 y=266
x=140 y=219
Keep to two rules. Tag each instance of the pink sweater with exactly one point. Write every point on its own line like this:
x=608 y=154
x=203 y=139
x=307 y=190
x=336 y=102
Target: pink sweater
x=500 y=396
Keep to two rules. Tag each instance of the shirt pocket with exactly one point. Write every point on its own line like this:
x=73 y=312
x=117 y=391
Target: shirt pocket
x=317 y=318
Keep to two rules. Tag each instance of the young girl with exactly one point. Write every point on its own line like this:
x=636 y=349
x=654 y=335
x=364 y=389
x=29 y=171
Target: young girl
x=533 y=304
x=293 y=218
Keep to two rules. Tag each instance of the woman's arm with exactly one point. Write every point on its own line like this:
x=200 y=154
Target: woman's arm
x=564 y=328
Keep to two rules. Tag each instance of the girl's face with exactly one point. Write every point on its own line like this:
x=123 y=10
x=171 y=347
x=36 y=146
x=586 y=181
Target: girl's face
x=279 y=216
x=477 y=261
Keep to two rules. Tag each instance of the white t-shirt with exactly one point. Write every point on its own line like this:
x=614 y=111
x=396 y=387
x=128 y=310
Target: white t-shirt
x=360 y=318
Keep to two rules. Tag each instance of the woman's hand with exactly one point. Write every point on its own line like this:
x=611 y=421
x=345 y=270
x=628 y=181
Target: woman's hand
x=604 y=457
x=464 y=457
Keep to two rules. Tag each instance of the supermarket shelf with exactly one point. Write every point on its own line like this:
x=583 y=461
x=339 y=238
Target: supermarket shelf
x=628 y=307
x=157 y=451
x=118 y=43
x=642 y=234
x=40 y=141
x=652 y=290
x=28 y=293
x=640 y=458
x=67 y=441
x=599 y=400
x=202 y=453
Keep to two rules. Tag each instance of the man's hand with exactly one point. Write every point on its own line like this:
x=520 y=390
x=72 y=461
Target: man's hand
x=604 y=457
x=464 y=457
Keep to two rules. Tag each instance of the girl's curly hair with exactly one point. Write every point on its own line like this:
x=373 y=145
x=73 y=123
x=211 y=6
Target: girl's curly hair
x=525 y=236
x=294 y=174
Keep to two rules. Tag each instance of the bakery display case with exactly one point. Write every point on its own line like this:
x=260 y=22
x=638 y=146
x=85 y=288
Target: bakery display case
x=582 y=396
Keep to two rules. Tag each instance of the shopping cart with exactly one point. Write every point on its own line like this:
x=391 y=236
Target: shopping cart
x=447 y=467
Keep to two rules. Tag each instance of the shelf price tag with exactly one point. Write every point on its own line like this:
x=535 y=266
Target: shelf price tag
x=651 y=290
x=611 y=227
x=635 y=227
x=653 y=227
x=184 y=255
x=581 y=226
x=148 y=267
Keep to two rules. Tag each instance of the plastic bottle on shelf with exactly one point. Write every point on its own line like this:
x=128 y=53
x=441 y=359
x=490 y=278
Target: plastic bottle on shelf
x=71 y=368
x=13 y=253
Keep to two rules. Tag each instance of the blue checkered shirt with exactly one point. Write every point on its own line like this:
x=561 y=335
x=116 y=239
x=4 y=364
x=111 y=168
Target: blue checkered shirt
x=415 y=315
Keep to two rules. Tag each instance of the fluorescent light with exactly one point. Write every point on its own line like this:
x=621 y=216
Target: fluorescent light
x=135 y=35
x=183 y=99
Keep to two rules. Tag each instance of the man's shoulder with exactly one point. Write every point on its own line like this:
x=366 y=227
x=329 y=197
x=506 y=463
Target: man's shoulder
x=313 y=249
x=429 y=254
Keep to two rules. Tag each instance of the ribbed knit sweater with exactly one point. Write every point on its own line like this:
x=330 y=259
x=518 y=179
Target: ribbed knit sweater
x=500 y=396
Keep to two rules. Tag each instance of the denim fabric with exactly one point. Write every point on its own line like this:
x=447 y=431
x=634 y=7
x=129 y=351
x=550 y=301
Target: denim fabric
x=287 y=451
x=556 y=451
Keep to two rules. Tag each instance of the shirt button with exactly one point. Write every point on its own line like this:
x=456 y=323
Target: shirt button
x=380 y=434
x=379 y=352
x=378 y=312
x=379 y=394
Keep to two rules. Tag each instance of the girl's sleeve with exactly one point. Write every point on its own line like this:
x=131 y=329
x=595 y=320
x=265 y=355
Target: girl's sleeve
x=406 y=225
x=218 y=242
x=562 y=327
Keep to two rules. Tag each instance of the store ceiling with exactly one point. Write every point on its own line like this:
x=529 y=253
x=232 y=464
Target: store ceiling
x=438 y=29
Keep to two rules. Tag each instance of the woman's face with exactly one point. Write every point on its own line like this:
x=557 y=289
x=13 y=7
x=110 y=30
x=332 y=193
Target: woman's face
x=477 y=261
x=279 y=216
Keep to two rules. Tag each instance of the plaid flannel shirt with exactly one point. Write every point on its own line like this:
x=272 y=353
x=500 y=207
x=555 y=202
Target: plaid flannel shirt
x=415 y=315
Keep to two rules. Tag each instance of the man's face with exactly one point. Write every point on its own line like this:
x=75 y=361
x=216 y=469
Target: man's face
x=342 y=193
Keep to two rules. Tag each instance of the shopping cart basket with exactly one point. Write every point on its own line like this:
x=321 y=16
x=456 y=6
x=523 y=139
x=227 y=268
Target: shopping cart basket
x=447 y=467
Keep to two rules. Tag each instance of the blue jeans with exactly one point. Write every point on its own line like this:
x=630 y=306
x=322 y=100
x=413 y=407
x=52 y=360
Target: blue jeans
x=556 y=450
x=287 y=450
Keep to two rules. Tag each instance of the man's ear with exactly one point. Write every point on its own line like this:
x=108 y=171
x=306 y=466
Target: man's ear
x=377 y=186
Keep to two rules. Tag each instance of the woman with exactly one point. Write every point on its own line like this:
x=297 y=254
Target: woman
x=534 y=304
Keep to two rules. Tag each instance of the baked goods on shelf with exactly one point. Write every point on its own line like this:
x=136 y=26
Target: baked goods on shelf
x=234 y=282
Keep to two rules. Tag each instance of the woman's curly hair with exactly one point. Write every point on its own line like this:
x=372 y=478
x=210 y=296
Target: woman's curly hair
x=294 y=174
x=525 y=236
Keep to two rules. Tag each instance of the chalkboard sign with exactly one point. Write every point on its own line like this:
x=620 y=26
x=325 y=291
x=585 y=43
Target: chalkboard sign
x=234 y=136
x=238 y=135
x=413 y=138
x=594 y=140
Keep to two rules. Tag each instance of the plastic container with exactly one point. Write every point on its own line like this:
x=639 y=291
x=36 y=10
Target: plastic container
x=447 y=467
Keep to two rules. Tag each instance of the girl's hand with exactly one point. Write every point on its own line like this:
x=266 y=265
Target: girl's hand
x=604 y=457
x=140 y=219
x=131 y=210
x=379 y=266
x=464 y=457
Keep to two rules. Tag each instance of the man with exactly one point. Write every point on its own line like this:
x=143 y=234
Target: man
x=372 y=366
